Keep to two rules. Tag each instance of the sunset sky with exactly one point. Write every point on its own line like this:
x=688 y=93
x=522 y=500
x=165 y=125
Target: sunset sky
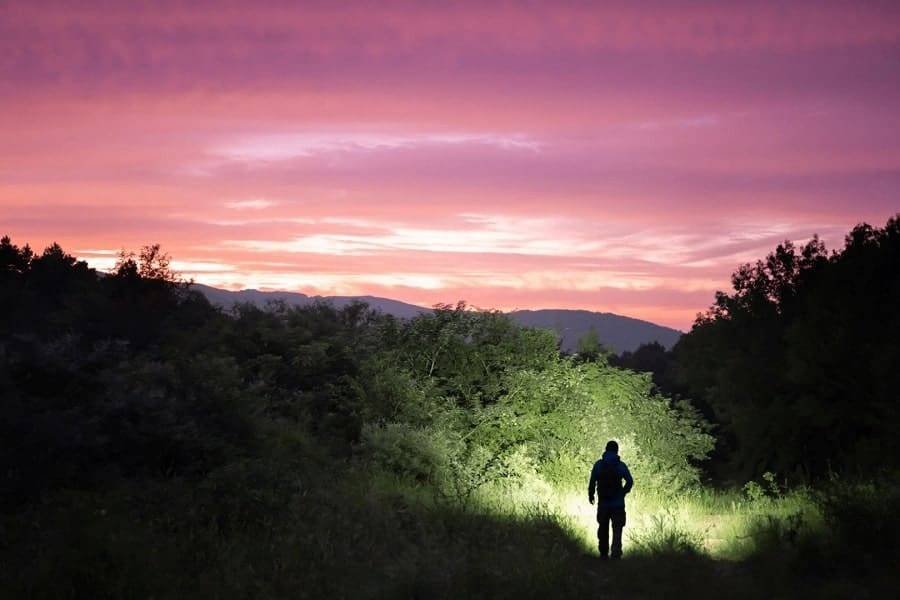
x=613 y=156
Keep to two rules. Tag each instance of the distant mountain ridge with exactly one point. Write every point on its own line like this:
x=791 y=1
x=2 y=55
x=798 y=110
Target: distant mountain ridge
x=617 y=332
x=227 y=299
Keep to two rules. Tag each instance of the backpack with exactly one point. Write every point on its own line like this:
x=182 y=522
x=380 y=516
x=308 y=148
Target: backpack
x=609 y=481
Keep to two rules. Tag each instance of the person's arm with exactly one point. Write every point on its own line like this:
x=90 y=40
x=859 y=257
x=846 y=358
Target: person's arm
x=629 y=482
x=592 y=484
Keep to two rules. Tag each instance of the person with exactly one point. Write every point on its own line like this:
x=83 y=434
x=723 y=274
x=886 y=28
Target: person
x=606 y=479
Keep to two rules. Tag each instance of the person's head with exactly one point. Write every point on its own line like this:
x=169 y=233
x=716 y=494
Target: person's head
x=612 y=446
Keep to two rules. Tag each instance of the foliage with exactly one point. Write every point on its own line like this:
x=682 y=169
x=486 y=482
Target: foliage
x=799 y=363
x=758 y=492
x=861 y=520
x=589 y=346
x=508 y=404
x=150 y=263
x=420 y=453
x=652 y=358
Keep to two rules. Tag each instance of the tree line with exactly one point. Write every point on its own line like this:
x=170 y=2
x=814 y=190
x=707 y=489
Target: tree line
x=132 y=375
x=799 y=364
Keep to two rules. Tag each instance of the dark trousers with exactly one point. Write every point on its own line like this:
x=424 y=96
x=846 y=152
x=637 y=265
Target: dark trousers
x=605 y=517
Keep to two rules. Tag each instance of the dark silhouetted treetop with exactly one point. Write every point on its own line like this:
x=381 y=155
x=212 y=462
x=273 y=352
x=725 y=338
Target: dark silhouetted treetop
x=800 y=362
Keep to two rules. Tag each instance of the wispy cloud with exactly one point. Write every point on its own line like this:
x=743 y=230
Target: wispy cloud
x=682 y=123
x=477 y=234
x=286 y=146
x=588 y=244
x=252 y=204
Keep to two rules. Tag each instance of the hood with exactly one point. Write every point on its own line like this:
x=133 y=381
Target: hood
x=610 y=457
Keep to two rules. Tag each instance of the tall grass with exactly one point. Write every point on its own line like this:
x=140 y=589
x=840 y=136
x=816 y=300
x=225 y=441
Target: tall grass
x=720 y=524
x=375 y=535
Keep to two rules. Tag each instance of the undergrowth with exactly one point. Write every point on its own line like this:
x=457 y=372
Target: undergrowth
x=373 y=535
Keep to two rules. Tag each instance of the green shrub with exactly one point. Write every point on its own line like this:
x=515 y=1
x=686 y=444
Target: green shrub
x=861 y=521
x=420 y=453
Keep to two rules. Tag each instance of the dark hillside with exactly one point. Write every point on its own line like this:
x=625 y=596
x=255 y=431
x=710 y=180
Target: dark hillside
x=615 y=332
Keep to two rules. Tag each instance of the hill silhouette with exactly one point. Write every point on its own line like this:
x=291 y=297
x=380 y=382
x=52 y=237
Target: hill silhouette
x=616 y=332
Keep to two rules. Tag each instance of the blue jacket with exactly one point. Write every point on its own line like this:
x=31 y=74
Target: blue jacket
x=617 y=501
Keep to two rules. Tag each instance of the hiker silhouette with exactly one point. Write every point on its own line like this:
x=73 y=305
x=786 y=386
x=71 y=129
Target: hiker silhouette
x=606 y=479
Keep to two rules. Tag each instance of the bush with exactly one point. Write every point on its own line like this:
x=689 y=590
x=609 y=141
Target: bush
x=861 y=521
x=419 y=453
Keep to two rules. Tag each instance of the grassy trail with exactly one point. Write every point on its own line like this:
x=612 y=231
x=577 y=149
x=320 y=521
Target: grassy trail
x=383 y=538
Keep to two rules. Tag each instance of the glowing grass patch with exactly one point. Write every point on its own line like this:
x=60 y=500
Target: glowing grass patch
x=722 y=525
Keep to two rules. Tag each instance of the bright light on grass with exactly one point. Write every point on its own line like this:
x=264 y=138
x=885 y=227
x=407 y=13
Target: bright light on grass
x=718 y=524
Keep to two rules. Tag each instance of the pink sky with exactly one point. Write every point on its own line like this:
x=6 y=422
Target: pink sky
x=618 y=156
